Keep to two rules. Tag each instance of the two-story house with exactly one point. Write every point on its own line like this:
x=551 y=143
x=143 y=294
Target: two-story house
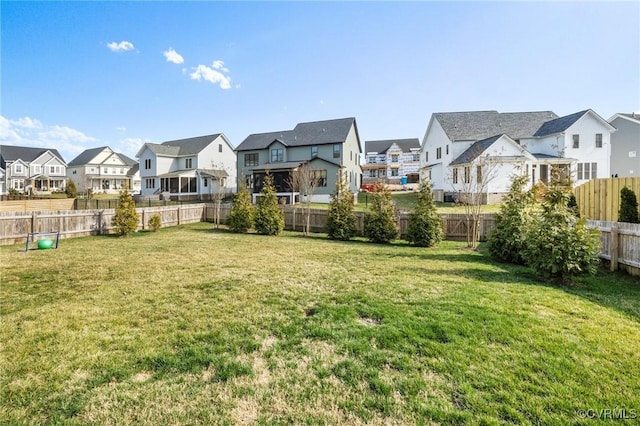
x=331 y=147
x=188 y=169
x=37 y=170
x=394 y=161
x=531 y=143
x=625 y=145
x=103 y=170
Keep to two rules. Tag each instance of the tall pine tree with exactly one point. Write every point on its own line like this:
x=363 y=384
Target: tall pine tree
x=126 y=218
x=341 y=222
x=269 y=218
x=425 y=224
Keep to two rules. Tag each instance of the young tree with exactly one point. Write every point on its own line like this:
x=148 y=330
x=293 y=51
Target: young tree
x=242 y=212
x=218 y=190
x=380 y=225
x=508 y=239
x=155 y=222
x=126 y=218
x=559 y=245
x=425 y=224
x=70 y=189
x=305 y=179
x=269 y=218
x=628 y=206
x=341 y=222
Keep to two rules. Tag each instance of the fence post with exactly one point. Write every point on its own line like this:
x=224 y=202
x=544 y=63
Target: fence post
x=100 y=222
x=33 y=221
x=143 y=221
x=178 y=214
x=613 y=248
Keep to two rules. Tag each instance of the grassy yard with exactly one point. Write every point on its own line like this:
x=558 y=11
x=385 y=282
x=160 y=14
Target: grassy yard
x=195 y=326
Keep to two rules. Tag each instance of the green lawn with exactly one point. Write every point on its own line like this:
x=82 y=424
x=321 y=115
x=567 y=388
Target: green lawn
x=195 y=326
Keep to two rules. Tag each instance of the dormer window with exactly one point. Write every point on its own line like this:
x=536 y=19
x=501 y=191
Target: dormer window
x=277 y=155
x=18 y=168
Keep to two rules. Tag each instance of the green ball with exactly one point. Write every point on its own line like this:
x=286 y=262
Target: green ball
x=45 y=243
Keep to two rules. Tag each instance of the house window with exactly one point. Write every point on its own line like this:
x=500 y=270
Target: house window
x=251 y=159
x=467 y=174
x=314 y=151
x=248 y=182
x=36 y=169
x=394 y=172
x=350 y=155
x=147 y=164
x=415 y=157
x=447 y=149
x=336 y=150
x=18 y=168
x=150 y=183
x=372 y=160
x=438 y=153
x=576 y=141
x=430 y=174
x=18 y=184
x=382 y=173
x=320 y=176
x=121 y=171
x=188 y=184
x=586 y=171
x=219 y=147
x=455 y=175
x=426 y=156
x=277 y=155
x=188 y=162
x=105 y=170
x=598 y=140
x=479 y=174
x=594 y=170
x=206 y=182
x=394 y=158
x=579 y=173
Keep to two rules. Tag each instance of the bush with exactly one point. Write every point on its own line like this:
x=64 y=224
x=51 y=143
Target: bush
x=380 y=225
x=242 y=212
x=508 y=239
x=559 y=245
x=126 y=218
x=341 y=222
x=425 y=224
x=70 y=189
x=155 y=222
x=628 y=206
x=269 y=218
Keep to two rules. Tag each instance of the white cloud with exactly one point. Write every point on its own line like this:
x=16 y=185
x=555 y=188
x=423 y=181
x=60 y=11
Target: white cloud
x=123 y=46
x=173 y=56
x=30 y=132
x=216 y=74
x=131 y=146
x=121 y=129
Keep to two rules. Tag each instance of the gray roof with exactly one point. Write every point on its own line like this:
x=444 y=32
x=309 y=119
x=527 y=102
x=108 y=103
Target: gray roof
x=10 y=153
x=475 y=150
x=304 y=134
x=477 y=125
x=134 y=169
x=180 y=147
x=559 y=124
x=89 y=154
x=383 y=145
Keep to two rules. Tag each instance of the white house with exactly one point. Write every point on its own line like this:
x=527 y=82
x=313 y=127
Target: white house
x=394 y=161
x=522 y=142
x=27 y=169
x=103 y=170
x=625 y=145
x=188 y=169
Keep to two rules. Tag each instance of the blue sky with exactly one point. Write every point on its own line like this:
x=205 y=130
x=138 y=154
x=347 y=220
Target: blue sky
x=77 y=75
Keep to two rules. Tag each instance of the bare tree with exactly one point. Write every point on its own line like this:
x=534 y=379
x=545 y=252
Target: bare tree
x=217 y=190
x=305 y=179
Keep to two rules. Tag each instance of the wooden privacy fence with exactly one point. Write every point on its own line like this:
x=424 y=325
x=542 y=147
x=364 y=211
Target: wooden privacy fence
x=620 y=244
x=599 y=199
x=31 y=205
x=75 y=223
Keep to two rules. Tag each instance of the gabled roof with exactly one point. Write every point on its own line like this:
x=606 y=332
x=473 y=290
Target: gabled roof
x=475 y=150
x=477 y=125
x=181 y=147
x=87 y=155
x=559 y=125
x=633 y=117
x=382 y=146
x=304 y=134
x=11 y=153
x=135 y=168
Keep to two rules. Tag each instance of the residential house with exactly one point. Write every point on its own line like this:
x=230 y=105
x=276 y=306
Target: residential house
x=37 y=170
x=103 y=170
x=625 y=145
x=188 y=169
x=530 y=143
x=331 y=147
x=395 y=161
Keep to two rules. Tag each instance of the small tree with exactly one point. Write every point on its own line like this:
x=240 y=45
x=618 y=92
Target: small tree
x=628 y=206
x=559 y=245
x=508 y=239
x=70 y=189
x=269 y=218
x=305 y=179
x=242 y=212
x=341 y=222
x=126 y=218
x=380 y=224
x=155 y=222
x=425 y=224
